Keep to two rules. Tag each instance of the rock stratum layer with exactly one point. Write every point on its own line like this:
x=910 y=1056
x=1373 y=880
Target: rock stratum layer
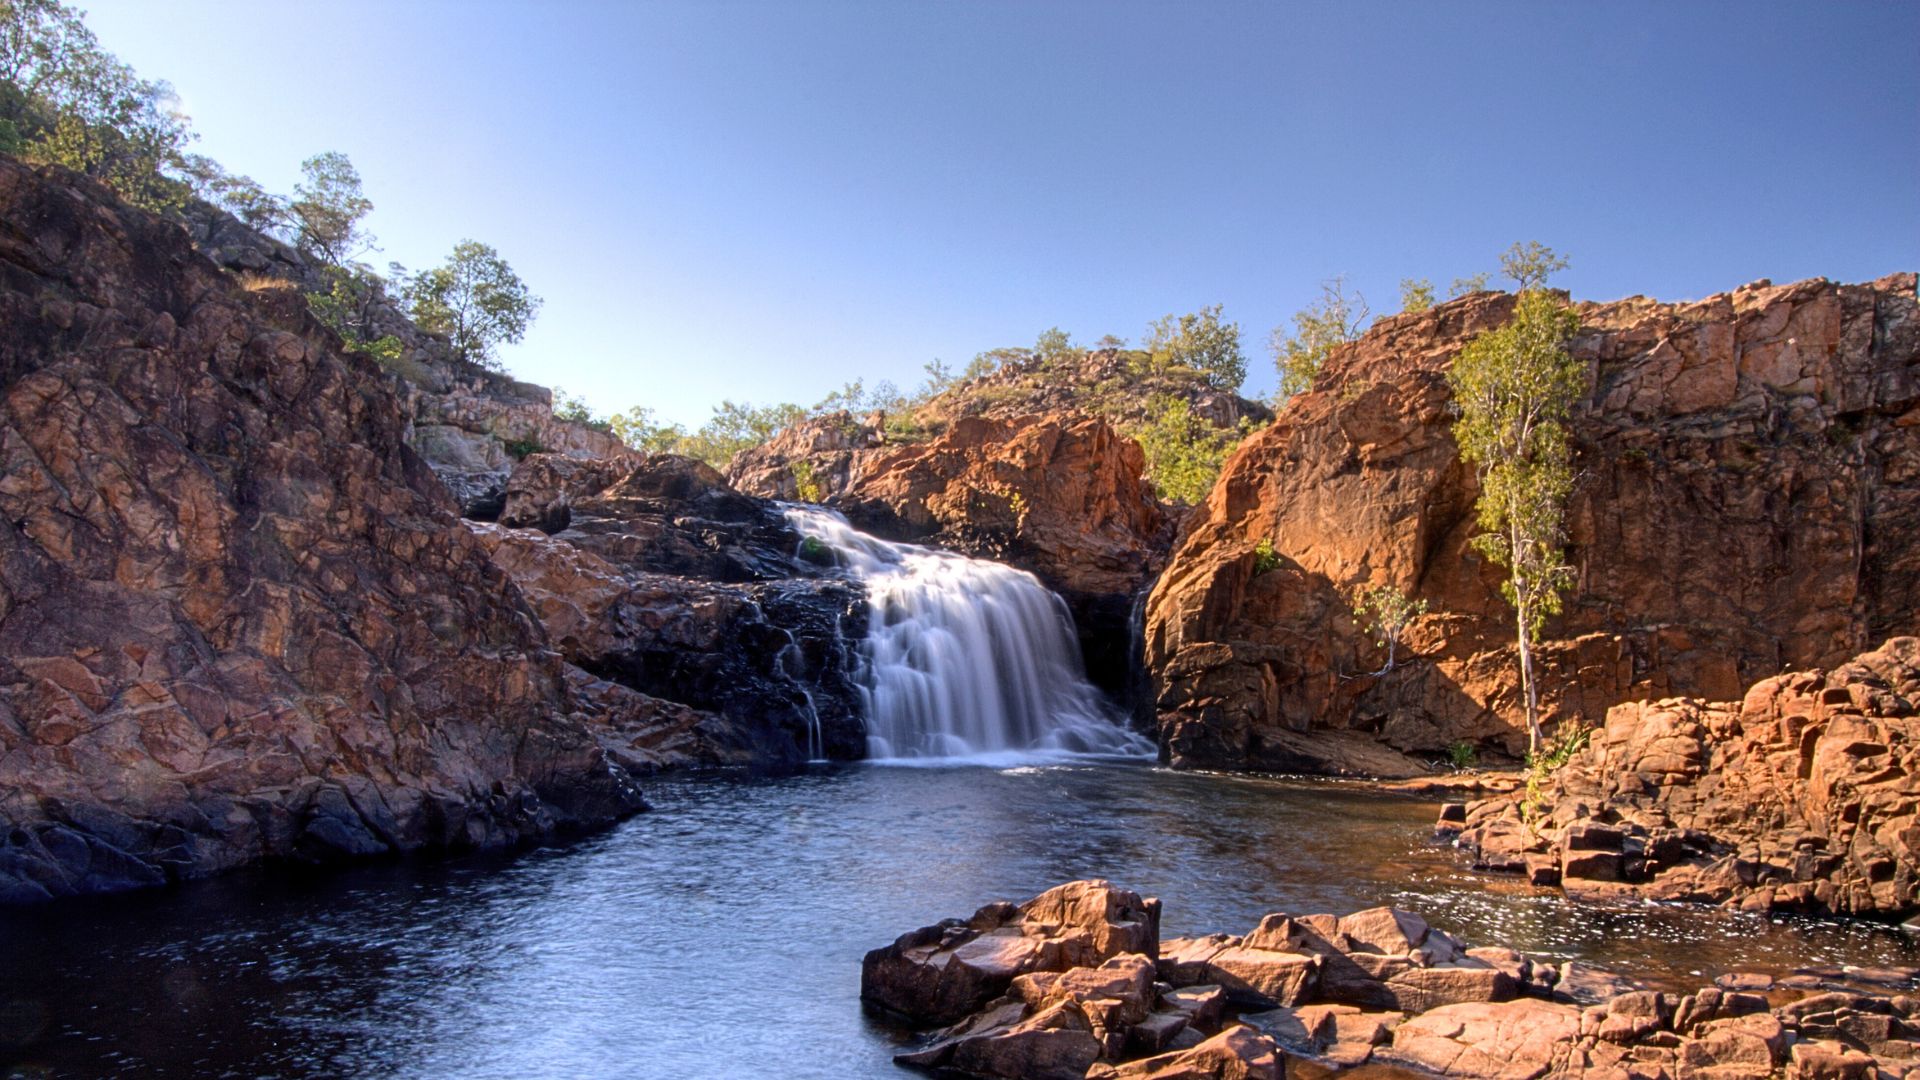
x=1803 y=796
x=1075 y=983
x=238 y=616
x=1748 y=502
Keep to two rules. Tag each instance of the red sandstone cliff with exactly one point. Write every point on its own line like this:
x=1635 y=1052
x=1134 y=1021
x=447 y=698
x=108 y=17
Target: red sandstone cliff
x=1748 y=502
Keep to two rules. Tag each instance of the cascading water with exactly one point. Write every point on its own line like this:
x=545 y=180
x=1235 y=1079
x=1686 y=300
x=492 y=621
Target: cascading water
x=965 y=657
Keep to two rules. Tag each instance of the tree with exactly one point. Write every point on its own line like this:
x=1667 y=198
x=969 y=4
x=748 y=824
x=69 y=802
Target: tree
x=1200 y=340
x=1110 y=341
x=475 y=299
x=1184 y=453
x=241 y=196
x=1415 y=295
x=1385 y=611
x=1473 y=283
x=66 y=101
x=1334 y=319
x=1531 y=264
x=328 y=209
x=1054 y=344
x=1516 y=388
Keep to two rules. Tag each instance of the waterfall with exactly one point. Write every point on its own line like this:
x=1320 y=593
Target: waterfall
x=965 y=657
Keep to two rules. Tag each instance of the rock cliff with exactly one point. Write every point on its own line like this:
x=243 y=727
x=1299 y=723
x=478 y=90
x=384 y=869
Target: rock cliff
x=469 y=423
x=1058 y=495
x=239 y=618
x=1803 y=796
x=1747 y=503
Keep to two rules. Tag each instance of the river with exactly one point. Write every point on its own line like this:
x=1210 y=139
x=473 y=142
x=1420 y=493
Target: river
x=721 y=934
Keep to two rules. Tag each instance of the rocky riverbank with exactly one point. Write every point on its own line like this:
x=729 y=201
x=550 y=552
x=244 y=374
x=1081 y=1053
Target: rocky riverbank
x=1076 y=983
x=1802 y=796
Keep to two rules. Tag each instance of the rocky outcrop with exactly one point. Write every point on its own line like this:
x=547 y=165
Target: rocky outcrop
x=1059 y=496
x=1805 y=796
x=1747 y=503
x=469 y=423
x=238 y=616
x=1376 y=988
x=687 y=611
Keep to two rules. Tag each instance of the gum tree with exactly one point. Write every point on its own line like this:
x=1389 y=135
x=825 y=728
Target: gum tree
x=1516 y=388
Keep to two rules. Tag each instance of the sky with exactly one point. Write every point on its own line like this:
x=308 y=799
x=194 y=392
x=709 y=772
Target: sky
x=762 y=201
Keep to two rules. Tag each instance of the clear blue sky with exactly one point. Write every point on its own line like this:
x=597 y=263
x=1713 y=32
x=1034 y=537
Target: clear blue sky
x=762 y=200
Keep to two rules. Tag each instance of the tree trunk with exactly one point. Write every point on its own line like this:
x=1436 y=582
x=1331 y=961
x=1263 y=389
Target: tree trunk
x=1527 y=688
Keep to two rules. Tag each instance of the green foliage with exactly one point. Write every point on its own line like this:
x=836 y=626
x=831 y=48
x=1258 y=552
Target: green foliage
x=475 y=299
x=575 y=410
x=1385 y=612
x=813 y=550
x=241 y=196
x=1415 y=295
x=1543 y=763
x=329 y=209
x=1109 y=341
x=1265 y=559
x=806 y=485
x=1473 y=283
x=1333 y=320
x=1184 y=452
x=1516 y=387
x=1202 y=341
x=1054 y=345
x=67 y=101
x=1462 y=754
x=348 y=302
x=1531 y=264
x=519 y=449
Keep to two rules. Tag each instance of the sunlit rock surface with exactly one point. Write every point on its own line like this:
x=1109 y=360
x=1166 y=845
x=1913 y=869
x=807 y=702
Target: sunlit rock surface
x=1377 y=988
x=1748 y=502
x=1803 y=796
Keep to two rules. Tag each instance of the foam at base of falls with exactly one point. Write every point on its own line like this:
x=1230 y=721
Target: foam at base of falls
x=965 y=659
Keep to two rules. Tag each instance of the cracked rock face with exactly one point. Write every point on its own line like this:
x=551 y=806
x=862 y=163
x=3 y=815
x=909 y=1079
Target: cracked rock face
x=238 y=617
x=1748 y=502
x=1803 y=796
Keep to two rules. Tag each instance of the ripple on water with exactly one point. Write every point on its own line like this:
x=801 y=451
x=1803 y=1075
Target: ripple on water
x=721 y=935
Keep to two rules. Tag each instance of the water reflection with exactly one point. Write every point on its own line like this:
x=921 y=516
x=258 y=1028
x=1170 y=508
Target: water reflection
x=721 y=935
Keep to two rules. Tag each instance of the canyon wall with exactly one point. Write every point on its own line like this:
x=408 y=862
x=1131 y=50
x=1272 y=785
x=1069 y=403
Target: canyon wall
x=1748 y=501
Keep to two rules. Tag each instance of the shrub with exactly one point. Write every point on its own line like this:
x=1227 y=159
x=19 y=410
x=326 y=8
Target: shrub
x=1462 y=754
x=1184 y=453
x=805 y=485
x=1202 y=341
x=1265 y=559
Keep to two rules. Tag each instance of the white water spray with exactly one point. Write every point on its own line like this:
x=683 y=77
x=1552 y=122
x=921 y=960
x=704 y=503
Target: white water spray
x=965 y=657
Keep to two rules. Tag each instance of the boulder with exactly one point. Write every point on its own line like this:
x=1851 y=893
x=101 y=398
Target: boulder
x=939 y=974
x=1803 y=796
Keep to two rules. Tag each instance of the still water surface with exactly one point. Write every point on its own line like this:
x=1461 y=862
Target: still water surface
x=721 y=935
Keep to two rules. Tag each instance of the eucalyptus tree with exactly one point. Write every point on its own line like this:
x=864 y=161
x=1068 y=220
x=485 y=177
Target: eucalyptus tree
x=1516 y=387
